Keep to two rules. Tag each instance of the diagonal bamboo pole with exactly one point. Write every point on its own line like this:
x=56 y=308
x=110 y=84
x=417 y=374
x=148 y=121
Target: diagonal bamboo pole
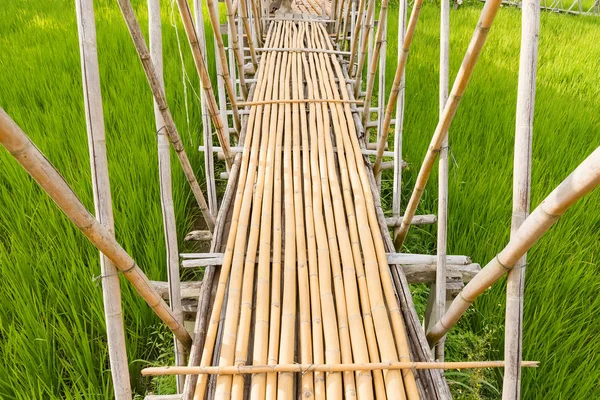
x=234 y=44
x=460 y=84
x=190 y=30
x=362 y=55
x=111 y=288
x=515 y=283
x=397 y=85
x=243 y=7
x=582 y=180
x=40 y=169
x=159 y=96
x=356 y=36
x=166 y=192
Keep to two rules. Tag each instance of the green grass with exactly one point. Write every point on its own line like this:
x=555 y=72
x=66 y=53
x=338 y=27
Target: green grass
x=51 y=319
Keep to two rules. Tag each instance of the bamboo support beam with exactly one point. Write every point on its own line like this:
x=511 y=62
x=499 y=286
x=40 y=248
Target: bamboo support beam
x=234 y=44
x=328 y=368
x=582 y=180
x=160 y=99
x=515 y=284
x=362 y=54
x=460 y=84
x=296 y=101
x=111 y=288
x=40 y=169
x=166 y=191
x=243 y=8
x=356 y=31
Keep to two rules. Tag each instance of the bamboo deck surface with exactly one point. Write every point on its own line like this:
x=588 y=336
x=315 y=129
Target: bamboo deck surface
x=305 y=278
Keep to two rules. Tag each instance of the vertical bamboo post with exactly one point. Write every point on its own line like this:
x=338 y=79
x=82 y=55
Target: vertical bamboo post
x=243 y=7
x=40 y=169
x=357 y=24
x=209 y=166
x=399 y=125
x=94 y=119
x=584 y=179
x=515 y=284
x=382 y=68
x=166 y=191
x=364 y=45
x=159 y=96
x=442 y=225
x=234 y=44
x=460 y=84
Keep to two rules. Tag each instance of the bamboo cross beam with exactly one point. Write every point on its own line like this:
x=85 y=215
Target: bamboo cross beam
x=190 y=30
x=582 y=180
x=460 y=84
x=328 y=368
x=111 y=288
x=296 y=101
x=303 y=50
x=160 y=99
x=37 y=165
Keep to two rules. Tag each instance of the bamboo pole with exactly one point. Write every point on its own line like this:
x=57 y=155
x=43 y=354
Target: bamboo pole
x=166 y=192
x=237 y=234
x=328 y=368
x=243 y=7
x=234 y=44
x=379 y=40
x=297 y=101
x=40 y=169
x=464 y=74
x=209 y=167
x=213 y=14
x=442 y=226
x=159 y=96
x=111 y=288
x=356 y=35
x=397 y=85
x=190 y=30
x=515 y=284
x=581 y=181
x=362 y=55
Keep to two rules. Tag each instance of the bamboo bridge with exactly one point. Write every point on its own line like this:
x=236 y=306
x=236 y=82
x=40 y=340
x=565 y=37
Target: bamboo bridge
x=303 y=293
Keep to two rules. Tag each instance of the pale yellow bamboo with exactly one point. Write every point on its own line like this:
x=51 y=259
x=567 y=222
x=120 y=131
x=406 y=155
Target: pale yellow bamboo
x=356 y=36
x=582 y=180
x=362 y=55
x=37 y=165
x=296 y=101
x=229 y=84
x=441 y=132
x=240 y=214
x=329 y=368
x=234 y=44
x=243 y=7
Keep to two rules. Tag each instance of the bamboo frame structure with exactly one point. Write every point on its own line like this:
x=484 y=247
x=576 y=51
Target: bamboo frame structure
x=111 y=288
x=233 y=42
x=362 y=54
x=166 y=191
x=460 y=84
x=515 y=284
x=582 y=180
x=159 y=96
x=37 y=165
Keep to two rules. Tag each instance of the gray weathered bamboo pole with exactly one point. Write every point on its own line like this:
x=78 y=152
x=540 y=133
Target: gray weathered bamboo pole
x=442 y=225
x=190 y=31
x=399 y=125
x=159 y=96
x=40 y=169
x=166 y=191
x=582 y=180
x=460 y=84
x=515 y=284
x=209 y=167
x=94 y=119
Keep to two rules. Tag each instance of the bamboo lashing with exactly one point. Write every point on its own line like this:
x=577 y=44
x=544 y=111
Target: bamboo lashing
x=329 y=368
x=581 y=181
x=515 y=284
x=40 y=169
x=160 y=99
x=460 y=84
x=111 y=288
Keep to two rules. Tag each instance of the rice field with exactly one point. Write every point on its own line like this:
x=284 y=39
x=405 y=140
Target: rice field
x=53 y=343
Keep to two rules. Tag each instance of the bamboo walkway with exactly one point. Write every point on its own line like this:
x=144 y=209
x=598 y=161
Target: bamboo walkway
x=304 y=277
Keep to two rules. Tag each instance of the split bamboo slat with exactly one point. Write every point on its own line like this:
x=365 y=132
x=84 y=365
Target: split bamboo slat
x=159 y=97
x=460 y=84
x=304 y=276
x=37 y=165
x=94 y=118
x=582 y=180
x=166 y=190
x=515 y=284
